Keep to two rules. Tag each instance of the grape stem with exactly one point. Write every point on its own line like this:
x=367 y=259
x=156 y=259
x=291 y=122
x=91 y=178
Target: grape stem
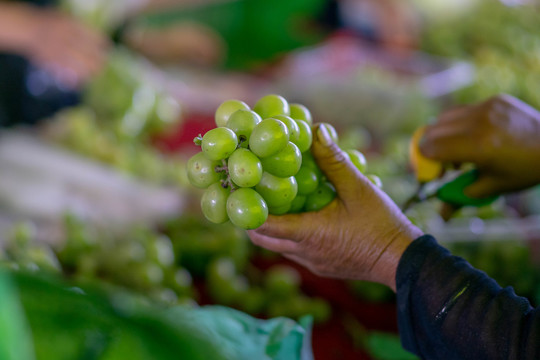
x=223 y=168
x=227 y=183
x=241 y=140
x=198 y=140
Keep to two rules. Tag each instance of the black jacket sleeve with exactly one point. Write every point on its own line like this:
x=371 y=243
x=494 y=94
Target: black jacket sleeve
x=449 y=310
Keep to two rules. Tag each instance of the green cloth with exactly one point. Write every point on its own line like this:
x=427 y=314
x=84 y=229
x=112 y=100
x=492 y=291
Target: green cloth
x=70 y=323
x=242 y=337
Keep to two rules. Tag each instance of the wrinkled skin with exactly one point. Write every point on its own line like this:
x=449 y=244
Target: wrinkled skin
x=360 y=235
x=501 y=136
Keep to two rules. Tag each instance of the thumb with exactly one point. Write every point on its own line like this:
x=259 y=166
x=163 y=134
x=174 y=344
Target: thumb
x=483 y=187
x=334 y=162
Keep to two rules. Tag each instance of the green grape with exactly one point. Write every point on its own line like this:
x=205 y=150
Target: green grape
x=242 y=122
x=245 y=168
x=164 y=296
x=201 y=171
x=277 y=191
x=279 y=307
x=285 y=163
x=358 y=159
x=331 y=131
x=292 y=126
x=221 y=269
x=305 y=136
x=323 y=196
x=375 y=180
x=43 y=256
x=271 y=105
x=269 y=137
x=308 y=161
x=299 y=305
x=246 y=208
x=214 y=203
x=160 y=249
x=254 y=301
x=224 y=285
x=219 y=143
x=300 y=112
x=22 y=234
x=180 y=280
x=226 y=109
x=144 y=275
x=307 y=180
x=279 y=210
x=319 y=309
x=282 y=281
x=297 y=204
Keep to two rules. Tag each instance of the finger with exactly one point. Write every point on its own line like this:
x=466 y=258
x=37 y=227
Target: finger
x=334 y=164
x=455 y=114
x=299 y=260
x=271 y=243
x=451 y=142
x=285 y=227
x=485 y=186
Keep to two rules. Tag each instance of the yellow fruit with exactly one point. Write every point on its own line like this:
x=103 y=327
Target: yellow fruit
x=425 y=169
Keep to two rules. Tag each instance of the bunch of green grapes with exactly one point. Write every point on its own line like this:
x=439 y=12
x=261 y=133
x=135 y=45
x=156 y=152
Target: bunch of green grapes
x=21 y=252
x=141 y=260
x=258 y=161
x=78 y=130
x=274 y=292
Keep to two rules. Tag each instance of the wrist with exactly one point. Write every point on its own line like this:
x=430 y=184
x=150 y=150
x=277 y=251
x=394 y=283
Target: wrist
x=387 y=264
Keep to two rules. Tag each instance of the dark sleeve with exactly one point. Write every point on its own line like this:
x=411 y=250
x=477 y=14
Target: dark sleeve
x=449 y=310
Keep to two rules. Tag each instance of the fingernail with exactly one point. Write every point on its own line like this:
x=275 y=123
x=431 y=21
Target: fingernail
x=323 y=136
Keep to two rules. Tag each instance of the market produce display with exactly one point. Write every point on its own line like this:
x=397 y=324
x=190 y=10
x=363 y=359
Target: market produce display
x=258 y=162
x=185 y=263
x=121 y=111
x=502 y=43
x=141 y=260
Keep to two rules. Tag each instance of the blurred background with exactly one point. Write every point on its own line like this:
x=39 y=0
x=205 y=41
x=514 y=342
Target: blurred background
x=100 y=102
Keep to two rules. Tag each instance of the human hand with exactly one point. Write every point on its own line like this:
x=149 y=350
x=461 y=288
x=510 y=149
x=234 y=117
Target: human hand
x=360 y=235
x=501 y=136
x=69 y=50
x=187 y=42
